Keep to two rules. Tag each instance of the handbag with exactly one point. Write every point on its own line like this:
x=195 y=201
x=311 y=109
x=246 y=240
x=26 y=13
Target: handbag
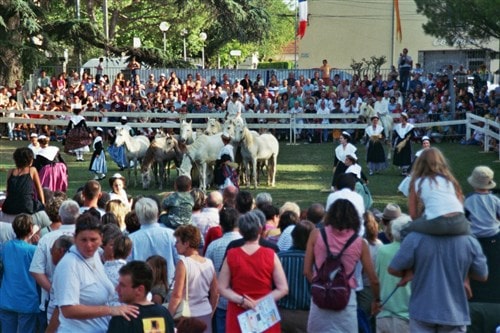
x=183 y=309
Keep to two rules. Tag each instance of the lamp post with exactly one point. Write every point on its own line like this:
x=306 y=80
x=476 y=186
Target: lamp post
x=164 y=26
x=203 y=37
x=184 y=33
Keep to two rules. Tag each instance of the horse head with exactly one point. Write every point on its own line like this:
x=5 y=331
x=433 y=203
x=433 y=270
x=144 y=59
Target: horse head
x=146 y=178
x=122 y=135
x=186 y=130
x=213 y=127
x=240 y=132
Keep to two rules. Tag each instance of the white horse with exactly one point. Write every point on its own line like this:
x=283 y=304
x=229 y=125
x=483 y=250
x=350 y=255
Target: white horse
x=135 y=147
x=258 y=147
x=160 y=154
x=213 y=127
x=186 y=133
x=204 y=150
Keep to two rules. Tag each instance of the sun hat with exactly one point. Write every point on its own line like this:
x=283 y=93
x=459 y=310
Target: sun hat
x=482 y=178
x=114 y=177
x=391 y=211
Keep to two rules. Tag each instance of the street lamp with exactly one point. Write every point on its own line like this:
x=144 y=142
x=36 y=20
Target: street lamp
x=164 y=26
x=203 y=37
x=184 y=33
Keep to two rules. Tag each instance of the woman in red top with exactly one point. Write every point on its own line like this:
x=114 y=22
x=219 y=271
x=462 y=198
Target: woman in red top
x=250 y=272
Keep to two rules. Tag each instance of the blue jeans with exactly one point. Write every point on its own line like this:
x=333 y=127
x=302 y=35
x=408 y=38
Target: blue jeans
x=13 y=322
x=220 y=321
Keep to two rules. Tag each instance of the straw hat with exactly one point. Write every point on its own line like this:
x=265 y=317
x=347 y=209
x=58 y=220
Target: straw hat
x=391 y=212
x=482 y=178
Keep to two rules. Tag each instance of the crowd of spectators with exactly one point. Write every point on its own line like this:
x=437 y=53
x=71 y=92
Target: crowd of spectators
x=427 y=97
x=200 y=250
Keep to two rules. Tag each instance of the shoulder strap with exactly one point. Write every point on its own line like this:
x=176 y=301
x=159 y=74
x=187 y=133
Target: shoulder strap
x=349 y=242
x=325 y=240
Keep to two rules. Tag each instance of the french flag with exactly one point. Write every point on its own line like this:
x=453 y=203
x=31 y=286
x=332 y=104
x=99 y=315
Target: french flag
x=301 y=31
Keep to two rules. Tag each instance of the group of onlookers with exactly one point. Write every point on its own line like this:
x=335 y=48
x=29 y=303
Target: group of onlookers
x=103 y=261
x=423 y=96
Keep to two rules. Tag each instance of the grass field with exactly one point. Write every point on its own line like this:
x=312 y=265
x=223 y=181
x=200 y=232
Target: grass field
x=303 y=171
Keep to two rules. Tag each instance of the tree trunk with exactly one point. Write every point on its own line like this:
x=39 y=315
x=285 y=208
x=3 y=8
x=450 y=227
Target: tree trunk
x=11 y=68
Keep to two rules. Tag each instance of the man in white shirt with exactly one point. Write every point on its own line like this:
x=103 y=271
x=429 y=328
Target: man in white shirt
x=234 y=106
x=42 y=267
x=209 y=216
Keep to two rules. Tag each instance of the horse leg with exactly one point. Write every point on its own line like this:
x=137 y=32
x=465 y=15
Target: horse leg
x=161 y=175
x=254 y=173
x=203 y=176
x=273 y=170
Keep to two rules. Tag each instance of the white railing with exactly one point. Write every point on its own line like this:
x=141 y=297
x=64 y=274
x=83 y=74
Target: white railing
x=490 y=129
x=279 y=121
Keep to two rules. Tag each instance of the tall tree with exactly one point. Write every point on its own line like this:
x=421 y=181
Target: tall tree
x=18 y=27
x=476 y=21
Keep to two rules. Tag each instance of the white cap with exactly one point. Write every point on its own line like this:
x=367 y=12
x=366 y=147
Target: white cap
x=33 y=135
x=124 y=117
x=41 y=137
x=99 y=129
x=162 y=74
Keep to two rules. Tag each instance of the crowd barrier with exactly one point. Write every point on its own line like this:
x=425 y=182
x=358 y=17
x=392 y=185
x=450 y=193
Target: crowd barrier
x=274 y=121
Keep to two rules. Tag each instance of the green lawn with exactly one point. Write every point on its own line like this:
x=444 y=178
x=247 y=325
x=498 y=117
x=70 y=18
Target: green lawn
x=303 y=171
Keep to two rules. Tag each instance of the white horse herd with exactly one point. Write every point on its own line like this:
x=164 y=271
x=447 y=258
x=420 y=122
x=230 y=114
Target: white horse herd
x=192 y=151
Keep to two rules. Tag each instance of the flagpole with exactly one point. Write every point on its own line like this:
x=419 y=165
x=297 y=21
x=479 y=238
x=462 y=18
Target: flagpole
x=392 y=35
x=296 y=30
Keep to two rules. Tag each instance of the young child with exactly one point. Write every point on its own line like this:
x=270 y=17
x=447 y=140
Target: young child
x=179 y=204
x=482 y=207
x=435 y=202
x=98 y=163
x=122 y=246
x=118 y=183
x=160 y=288
x=24 y=189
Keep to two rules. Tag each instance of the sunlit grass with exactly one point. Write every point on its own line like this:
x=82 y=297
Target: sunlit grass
x=304 y=172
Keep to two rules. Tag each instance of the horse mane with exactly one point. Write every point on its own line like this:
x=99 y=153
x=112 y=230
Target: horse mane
x=247 y=136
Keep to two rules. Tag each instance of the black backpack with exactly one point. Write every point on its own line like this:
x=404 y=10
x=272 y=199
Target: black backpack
x=330 y=287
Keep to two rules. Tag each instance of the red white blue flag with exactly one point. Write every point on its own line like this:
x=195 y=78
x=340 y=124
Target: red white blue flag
x=301 y=31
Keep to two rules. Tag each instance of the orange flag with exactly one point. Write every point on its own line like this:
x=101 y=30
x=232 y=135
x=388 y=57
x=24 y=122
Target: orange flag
x=399 y=32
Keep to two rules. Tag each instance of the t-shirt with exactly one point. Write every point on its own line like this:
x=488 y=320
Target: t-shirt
x=180 y=208
x=152 y=318
x=440 y=265
x=439 y=197
x=483 y=211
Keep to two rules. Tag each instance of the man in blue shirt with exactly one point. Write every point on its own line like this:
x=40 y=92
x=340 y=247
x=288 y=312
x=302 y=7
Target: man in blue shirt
x=440 y=265
x=152 y=238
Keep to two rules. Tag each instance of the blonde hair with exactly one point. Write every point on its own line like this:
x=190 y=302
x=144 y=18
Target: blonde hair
x=119 y=209
x=430 y=164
